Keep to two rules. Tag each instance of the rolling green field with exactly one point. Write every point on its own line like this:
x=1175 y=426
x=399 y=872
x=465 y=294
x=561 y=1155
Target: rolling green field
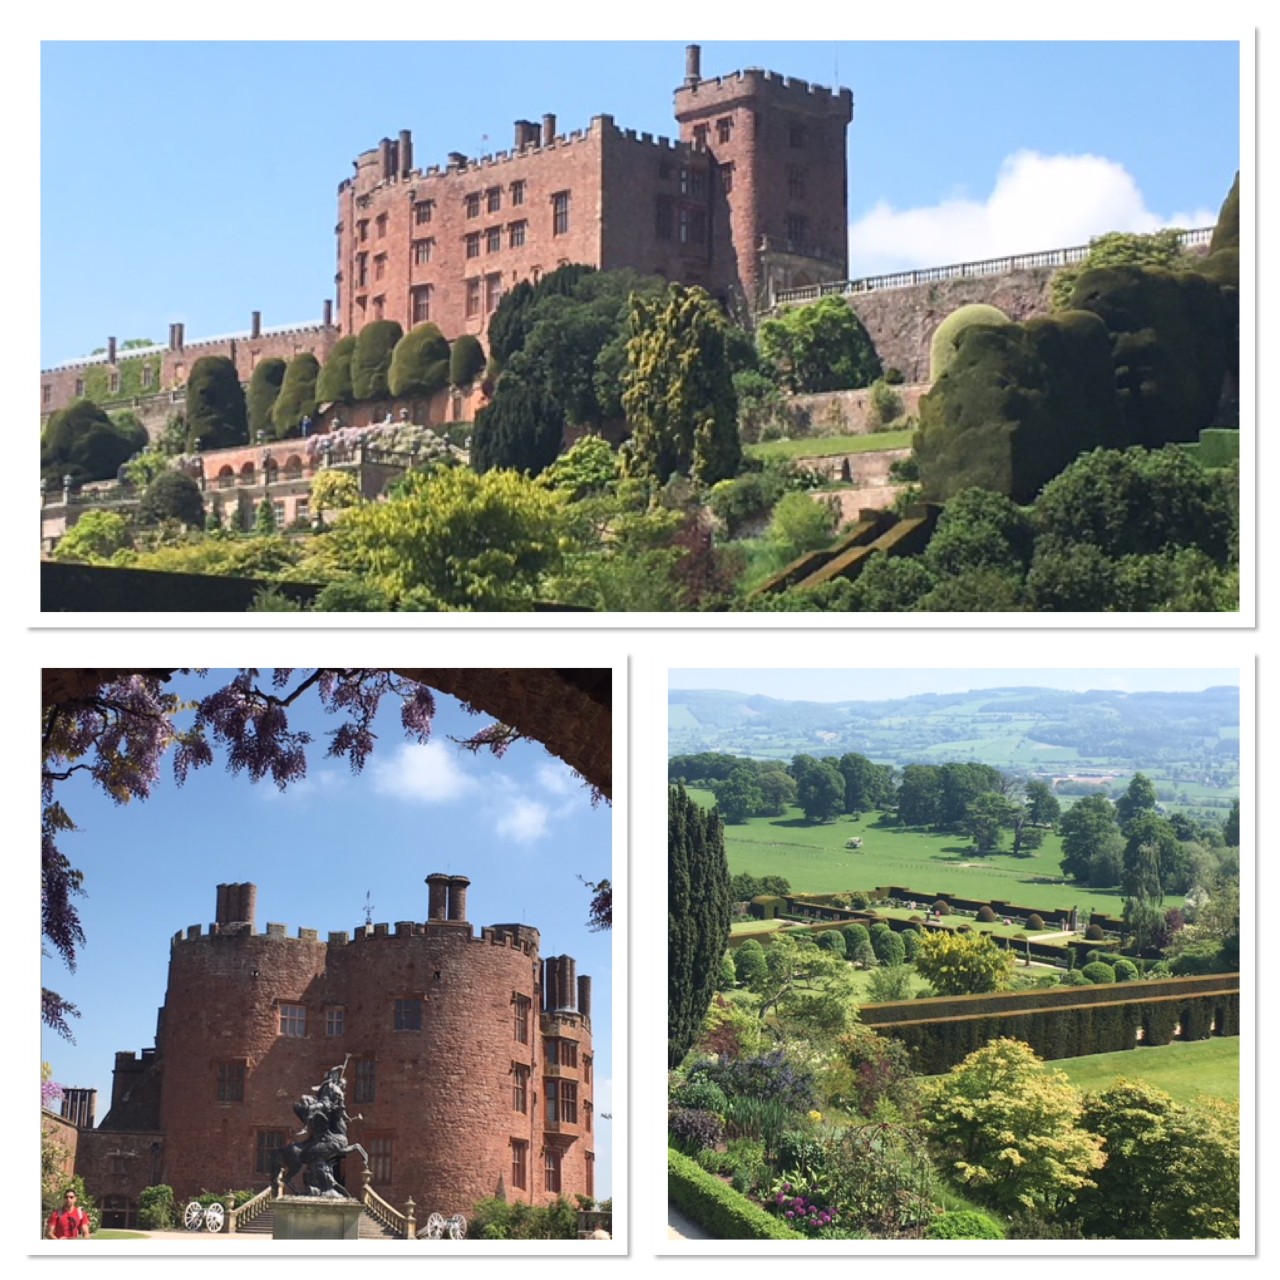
x=829 y=446
x=814 y=860
x=1181 y=1070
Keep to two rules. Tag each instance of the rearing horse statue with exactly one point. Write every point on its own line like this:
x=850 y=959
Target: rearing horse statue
x=324 y=1127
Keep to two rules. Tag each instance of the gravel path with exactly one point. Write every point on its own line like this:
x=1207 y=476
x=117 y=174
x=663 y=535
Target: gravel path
x=681 y=1228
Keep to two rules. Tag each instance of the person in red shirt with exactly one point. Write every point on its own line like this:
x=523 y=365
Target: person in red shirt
x=68 y=1223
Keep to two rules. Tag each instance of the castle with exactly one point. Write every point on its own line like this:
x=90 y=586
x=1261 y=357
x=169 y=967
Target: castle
x=750 y=199
x=468 y=1058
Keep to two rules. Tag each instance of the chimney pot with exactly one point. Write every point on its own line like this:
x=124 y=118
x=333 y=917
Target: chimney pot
x=692 y=64
x=548 y=129
x=111 y=351
x=255 y=324
x=328 y=313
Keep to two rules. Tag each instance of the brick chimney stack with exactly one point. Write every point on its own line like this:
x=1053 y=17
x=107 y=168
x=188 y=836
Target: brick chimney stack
x=406 y=153
x=255 y=324
x=437 y=896
x=111 y=351
x=692 y=65
x=548 y=129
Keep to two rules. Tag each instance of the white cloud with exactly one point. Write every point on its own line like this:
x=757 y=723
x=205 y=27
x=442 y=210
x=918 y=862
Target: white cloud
x=557 y=779
x=1038 y=202
x=318 y=782
x=522 y=820
x=426 y=773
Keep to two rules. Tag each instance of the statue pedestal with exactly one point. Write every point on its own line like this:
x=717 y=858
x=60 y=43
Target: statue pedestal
x=315 y=1218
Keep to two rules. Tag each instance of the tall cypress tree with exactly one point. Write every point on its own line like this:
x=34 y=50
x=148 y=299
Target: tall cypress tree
x=698 y=910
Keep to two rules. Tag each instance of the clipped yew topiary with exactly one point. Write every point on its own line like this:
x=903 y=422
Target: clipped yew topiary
x=264 y=390
x=420 y=362
x=1126 y=970
x=724 y=1213
x=297 y=399
x=1098 y=972
x=82 y=442
x=946 y=336
x=217 y=417
x=334 y=384
x=985 y=915
x=466 y=360
x=371 y=359
x=1035 y=922
x=1094 y=933
x=942 y=907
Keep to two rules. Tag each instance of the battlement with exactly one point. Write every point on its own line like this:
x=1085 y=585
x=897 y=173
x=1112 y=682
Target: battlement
x=756 y=82
x=521 y=938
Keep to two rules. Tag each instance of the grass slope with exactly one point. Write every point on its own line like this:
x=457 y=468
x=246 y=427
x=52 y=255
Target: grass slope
x=830 y=446
x=1181 y=1070
x=813 y=858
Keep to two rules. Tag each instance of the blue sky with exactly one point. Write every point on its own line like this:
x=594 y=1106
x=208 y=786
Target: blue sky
x=522 y=828
x=858 y=684
x=196 y=182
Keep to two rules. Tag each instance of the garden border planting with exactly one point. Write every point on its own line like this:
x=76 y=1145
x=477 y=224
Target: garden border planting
x=725 y=1213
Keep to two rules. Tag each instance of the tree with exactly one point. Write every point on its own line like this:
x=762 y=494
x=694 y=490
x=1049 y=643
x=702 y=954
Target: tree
x=264 y=519
x=82 y=442
x=889 y=982
x=801 y=523
x=588 y=466
x=522 y=429
x=919 y=795
x=986 y=817
x=1119 y=249
x=1139 y=797
x=867 y=785
x=1089 y=831
x=172 y=496
x=1143 y=893
x=297 y=399
x=698 y=910
x=962 y=964
x=748 y=961
x=777 y=788
x=739 y=795
x=371 y=359
x=678 y=392
x=1231 y=828
x=334 y=383
x=420 y=362
x=1172 y=1171
x=116 y=725
x=217 y=417
x=97 y=535
x=819 y=788
x=946 y=337
x=806 y=991
x=264 y=390
x=857 y=946
x=1008 y=1127
x=334 y=490
x=463 y=541
x=823 y=346
x=1042 y=805
x=466 y=360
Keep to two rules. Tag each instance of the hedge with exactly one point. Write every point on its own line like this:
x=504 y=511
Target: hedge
x=717 y=1206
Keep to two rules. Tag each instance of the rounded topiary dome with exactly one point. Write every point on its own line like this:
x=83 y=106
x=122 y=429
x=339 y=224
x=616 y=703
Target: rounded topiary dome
x=945 y=337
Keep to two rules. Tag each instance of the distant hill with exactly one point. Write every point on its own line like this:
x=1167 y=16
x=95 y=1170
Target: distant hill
x=1187 y=737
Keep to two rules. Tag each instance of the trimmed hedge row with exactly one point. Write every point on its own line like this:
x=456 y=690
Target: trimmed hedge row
x=1001 y=1002
x=936 y=1045
x=718 y=1207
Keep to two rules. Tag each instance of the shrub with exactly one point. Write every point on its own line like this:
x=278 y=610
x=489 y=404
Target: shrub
x=724 y=1213
x=946 y=336
x=1074 y=978
x=964 y=1224
x=700 y=1095
x=832 y=940
x=217 y=417
x=985 y=915
x=297 y=399
x=964 y=928
x=420 y=362
x=466 y=360
x=1097 y=972
x=910 y=943
x=767 y=1077
x=942 y=907
x=893 y=376
x=1126 y=970
x=886 y=404
x=264 y=389
x=172 y=496
x=83 y=442
x=156 y=1208
x=691 y=1130
x=334 y=384
x=371 y=359
x=1035 y=922
x=1094 y=933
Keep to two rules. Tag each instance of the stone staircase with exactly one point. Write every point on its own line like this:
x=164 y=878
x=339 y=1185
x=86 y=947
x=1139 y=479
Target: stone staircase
x=370 y=1227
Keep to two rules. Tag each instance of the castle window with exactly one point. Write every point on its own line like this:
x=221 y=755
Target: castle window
x=362 y=270
x=380 y=266
x=516 y=232
x=662 y=218
x=519 y=1164
x=420 y=301
x=267 y=1142
x=724 y=129
x=366 y=1088
x=693 y=183
x=473 y=244
x=493 y=240
x=362 y=230
x=46 y=393
x=693 y=226
x=277 y=509
x=551 y=1095
x=113 y=381
x=473 y=298
x=473 y=205
x=795 y=183
x=551 y=1170
x=381 y=223
x=422 y=210
x=726 y=178
x=795 y=134
x=231 y=1082
x=568 y=1101
x=302 y=512
x=492 y=293
x=519 y=1087
x=380 y=1160
x=796 y=227
x=79 y=387
x=700 y=134
x=335 y=1017
x=148 y=375
x=493 y=199
x=408 y=1014
x=380 y=306
x=521 y=1006
x=293 y=1020
x=560 y=213
x=517 y=192
x=587 y=1110
x=422 y=250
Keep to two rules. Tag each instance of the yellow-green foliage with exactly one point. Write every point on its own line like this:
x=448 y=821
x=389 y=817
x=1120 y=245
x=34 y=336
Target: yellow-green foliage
x=942 y=347
x=95 y=537
x=956 y=964
x=460 y=540
x=1008 y=1127
x=1119 y=249
x=335 y=490
x=722 y=1211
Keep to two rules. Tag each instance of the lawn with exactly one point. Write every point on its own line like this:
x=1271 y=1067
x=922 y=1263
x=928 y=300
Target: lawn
x=828 y=446
x=813 y=858
x=1181 y=1070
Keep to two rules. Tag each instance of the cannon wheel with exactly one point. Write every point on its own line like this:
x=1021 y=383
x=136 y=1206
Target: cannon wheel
x=193 y=1216
x=457 y=1227
x=435 y=1226
x=214 y=1217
